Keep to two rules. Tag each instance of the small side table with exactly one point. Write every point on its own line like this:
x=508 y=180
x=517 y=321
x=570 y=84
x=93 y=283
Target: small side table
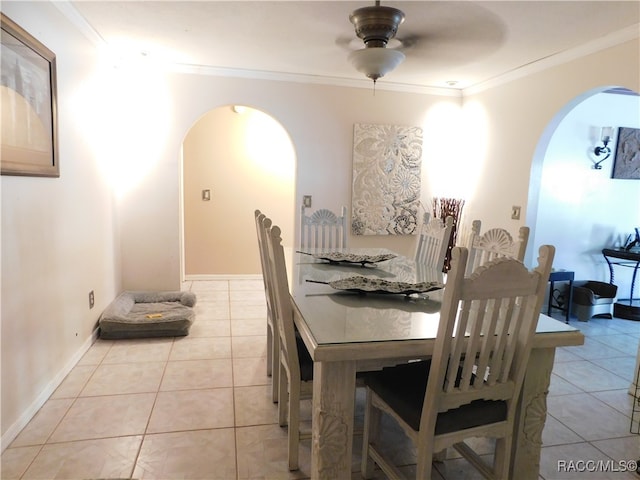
x=561 y=276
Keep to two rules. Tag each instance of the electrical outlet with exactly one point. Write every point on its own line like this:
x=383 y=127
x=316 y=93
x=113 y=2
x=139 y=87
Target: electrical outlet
x=306 y=201
x=92 y=299
x=515 y=212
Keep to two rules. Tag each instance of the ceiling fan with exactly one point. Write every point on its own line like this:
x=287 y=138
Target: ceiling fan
x=443 y=35
x=376 y=26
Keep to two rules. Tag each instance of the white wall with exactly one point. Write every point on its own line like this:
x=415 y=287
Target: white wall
x=59 y=238
x=522 y=118
x=582 y=210
x=62 y=237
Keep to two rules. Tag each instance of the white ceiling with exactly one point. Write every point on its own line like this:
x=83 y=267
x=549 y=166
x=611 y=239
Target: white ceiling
x=466 y=42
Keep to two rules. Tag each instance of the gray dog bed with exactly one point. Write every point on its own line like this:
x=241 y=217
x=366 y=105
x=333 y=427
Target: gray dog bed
x=148 y=314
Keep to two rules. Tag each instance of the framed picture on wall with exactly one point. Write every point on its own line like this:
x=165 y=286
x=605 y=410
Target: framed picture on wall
x=627 y=159
x=29 y=143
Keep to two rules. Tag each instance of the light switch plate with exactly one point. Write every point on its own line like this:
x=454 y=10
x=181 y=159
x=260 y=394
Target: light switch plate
x=306 y=201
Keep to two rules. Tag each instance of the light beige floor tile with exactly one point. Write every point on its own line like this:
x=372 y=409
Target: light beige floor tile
x=108 y=416
x=457 y=469
x=618 y=399
x=201 y=454
x=624 y=343
x=139 y=350
x=250 y=371
x=43 y=423
x=262 y=454
x=592 y=348
x=624 y=367
x=212 y=311
x=118 y=378
x=589 y=377
x=197 y=374
x=565 y=355
x=626 y=326
x=96 y=352
x=248 y=297
x=556 y=433
x=210 y=328
x=188 y=348
x=250 y=346
x=596 y=327
x=73 y=384
x=621 y=450
x=15 y=461
x=256 y=284
x=254 y=406
x=588 y=417
x=237 y=310
x=559 y=386
x=106 y=458
x=192 y=409
x=569 y=462
x=248 y=327
x=210 y=285
x=217 y=296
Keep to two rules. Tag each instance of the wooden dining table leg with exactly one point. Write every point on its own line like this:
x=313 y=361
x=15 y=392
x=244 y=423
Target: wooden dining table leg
x=332 y=422
x=531 y=415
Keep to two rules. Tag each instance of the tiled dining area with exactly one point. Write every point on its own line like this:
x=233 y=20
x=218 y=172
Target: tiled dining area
x=199 y=407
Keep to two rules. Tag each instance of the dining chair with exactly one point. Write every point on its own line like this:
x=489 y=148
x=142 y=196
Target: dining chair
x=323 y=229
x=471 y=385
x=494 y=243
x=273 y=340
x=433 y=242
x=294 y=361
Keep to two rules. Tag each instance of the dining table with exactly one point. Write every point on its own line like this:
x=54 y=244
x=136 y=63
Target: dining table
x=348 y=326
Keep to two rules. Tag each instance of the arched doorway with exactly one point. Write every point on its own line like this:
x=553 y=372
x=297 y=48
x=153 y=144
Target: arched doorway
x=236 y=159
x=577 y=208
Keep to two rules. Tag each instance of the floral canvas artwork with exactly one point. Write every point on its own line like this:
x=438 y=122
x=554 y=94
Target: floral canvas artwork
x=386 y=179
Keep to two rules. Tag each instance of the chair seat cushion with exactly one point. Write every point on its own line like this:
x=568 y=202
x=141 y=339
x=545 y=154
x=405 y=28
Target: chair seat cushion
x=403 y=388
x=148 y=314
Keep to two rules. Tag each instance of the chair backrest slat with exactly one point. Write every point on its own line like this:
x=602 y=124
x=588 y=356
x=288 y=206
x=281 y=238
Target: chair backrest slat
x=282 y=298
x=433 y=241
x=486 y=330
x=323 y=229
x=262 y=224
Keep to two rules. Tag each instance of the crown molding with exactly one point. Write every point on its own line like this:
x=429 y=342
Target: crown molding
x=71 y=13
x=602 y=43
x=311 y=79
x=559 y=58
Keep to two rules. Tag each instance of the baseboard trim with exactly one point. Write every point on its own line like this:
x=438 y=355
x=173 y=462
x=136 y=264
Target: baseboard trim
x=253 y=276
x=14 y=430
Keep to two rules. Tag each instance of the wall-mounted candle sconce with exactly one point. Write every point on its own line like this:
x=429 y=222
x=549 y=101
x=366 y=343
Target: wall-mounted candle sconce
x=599 y=151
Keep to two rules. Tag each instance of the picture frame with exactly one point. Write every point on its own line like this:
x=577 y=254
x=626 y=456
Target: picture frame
x=626 y=163
x=29 y=140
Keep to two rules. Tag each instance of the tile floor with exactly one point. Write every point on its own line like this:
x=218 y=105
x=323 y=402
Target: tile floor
x=199 y=407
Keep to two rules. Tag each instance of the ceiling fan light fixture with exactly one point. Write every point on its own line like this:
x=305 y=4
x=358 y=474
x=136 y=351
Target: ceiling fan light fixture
x=375 y=62
x=376 y=25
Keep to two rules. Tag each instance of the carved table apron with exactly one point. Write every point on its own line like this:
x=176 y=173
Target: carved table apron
x=346 y=333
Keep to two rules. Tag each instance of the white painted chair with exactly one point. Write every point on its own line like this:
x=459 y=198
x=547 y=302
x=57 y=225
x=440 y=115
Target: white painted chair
x=471 y=385
x=273 y=342
x=294 y=362
x=323 y=229
x=433 y=242
x=494 y=243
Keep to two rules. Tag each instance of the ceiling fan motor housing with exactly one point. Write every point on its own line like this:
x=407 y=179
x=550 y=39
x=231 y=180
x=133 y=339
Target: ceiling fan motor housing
x=376 y=25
